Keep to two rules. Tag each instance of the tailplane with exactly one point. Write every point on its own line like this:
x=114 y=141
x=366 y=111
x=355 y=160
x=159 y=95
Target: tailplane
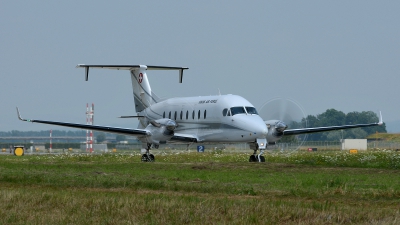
x=142 y=93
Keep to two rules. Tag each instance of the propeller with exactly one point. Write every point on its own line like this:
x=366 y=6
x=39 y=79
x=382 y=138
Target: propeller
x=280 y=114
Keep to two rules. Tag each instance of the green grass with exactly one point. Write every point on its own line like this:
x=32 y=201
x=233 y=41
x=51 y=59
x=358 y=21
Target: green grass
x=208 y=188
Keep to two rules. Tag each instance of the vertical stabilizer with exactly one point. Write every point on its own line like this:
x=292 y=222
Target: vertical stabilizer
x=141 y=89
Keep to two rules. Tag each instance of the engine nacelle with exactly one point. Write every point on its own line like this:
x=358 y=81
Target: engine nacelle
x=275 y=130
x=161 y=130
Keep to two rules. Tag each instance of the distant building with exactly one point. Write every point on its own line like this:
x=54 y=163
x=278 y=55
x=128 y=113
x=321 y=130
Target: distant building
x=359 y=144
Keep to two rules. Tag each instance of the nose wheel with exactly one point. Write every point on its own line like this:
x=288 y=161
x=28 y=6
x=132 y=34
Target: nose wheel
x=257 y=157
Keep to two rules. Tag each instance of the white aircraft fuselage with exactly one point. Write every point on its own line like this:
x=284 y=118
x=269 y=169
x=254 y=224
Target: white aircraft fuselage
x=204 y=118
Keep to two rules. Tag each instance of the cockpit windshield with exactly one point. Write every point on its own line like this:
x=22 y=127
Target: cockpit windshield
x=251 y=110
x=237 y=110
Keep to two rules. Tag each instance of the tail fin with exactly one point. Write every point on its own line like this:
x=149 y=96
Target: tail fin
x=141 y=89
x=142 y=93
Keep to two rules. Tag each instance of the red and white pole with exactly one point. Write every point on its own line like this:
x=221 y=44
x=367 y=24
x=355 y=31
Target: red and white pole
x=87 y=131
x=91 y=132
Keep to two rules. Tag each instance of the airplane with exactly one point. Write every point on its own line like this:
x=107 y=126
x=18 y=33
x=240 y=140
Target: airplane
x=204 y=119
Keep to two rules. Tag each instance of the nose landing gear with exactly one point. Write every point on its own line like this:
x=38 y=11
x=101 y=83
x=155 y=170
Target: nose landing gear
x=259 y=144
x=257 y=157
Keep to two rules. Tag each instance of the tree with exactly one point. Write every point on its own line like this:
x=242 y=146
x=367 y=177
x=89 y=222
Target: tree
x=363 y=118
x=333 y=135
x=289 y=139
x=333 y=117
x=312 y=121
x=119 y=138
x=100 y=137
x=356 y=133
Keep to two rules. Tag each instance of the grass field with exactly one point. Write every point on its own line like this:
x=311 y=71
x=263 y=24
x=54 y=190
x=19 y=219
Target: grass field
x=201 y=188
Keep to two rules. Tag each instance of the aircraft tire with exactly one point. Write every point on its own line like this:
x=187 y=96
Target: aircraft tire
x=262 y=158
x=145 y=158
x=151 y=158
x=148 y=158
x=253 y=158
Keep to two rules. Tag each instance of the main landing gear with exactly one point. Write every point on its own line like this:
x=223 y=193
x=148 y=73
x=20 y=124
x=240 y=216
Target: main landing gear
x=257 y=157
x=147 y=157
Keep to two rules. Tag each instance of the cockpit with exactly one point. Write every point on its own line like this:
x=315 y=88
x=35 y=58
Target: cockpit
x=239 y=110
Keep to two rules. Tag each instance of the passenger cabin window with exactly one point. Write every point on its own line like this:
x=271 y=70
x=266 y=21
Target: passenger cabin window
x=187 y=114
x=181 y=115
x=169 y=115
x=163 y=115
x=251 y=110
x=224 y=112
x=175 y=116
x=237 y=110
x=205 y=114
x=198 y=115
x=193 y=115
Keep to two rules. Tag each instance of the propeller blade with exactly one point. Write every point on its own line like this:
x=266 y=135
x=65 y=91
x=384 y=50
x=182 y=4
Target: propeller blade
x=282 y=113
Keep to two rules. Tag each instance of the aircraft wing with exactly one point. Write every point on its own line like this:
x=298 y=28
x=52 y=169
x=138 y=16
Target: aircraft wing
x=117 y=130
x=322 y=129
x=330 y=128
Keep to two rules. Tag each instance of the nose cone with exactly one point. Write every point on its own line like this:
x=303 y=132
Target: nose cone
x=258 y=126
x=263 y=129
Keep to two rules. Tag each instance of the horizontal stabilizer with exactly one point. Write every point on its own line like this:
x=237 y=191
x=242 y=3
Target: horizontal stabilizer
x=131 y=67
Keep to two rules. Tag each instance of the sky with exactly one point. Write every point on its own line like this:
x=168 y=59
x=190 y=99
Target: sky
x=319 y=54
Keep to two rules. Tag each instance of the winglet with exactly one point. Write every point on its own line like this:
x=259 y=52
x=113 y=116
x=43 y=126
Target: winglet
x=380 y=118
x=19 y=116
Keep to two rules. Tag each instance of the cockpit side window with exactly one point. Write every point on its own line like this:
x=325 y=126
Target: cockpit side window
x=237 y=110
x=224 y=112
x=251 y=110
